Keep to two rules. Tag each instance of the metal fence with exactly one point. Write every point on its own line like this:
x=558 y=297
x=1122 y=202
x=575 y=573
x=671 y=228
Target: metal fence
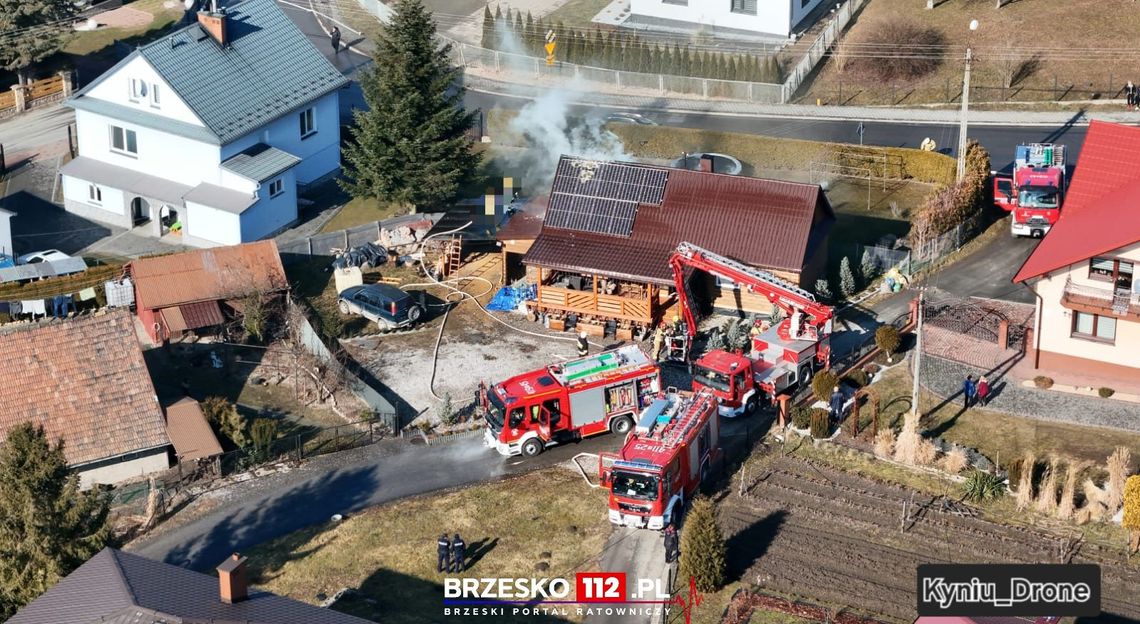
x=912 y=260
x=322 y=244
x=819 y=48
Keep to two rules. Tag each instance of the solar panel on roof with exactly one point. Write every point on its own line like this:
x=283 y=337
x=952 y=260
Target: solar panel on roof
x=643 y=185
x=591 y=214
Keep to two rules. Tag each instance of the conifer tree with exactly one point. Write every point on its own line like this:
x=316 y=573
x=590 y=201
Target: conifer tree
x=49 y=527
x=519 y=29
x=774 y=69
x=687 y=61
x=32 y=31
x=847 y=284
x=488 y=39
x=702 y=548
x=530 y=43
x=676 y=65
x=411 y=144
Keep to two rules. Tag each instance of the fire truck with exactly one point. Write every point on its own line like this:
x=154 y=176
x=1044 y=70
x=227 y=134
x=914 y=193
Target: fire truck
x=1036 y=191
x=783 y=354
x=664 y=461
x=567 y=402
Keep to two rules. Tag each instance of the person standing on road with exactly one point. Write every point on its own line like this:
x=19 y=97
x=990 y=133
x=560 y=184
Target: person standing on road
x=442 y=551
x=836 y=404
x=458 y=554
x=1130 y=94
x=983 y=390
x=969 y=388
x=335 y=37
x=671 y=544
x=583 y=344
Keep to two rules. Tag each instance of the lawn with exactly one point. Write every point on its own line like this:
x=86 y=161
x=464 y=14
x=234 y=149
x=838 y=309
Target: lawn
x=1022 y=38
x=995 y=433
x=359 y=211
x=576 y=13
x=93 y=41
x=388 y=552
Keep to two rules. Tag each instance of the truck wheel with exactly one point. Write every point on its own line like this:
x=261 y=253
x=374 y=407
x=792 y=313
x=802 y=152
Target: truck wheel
x=751 y=404
x=414 y=313
x=531 y=447
x=805 y=377
x=622 y=425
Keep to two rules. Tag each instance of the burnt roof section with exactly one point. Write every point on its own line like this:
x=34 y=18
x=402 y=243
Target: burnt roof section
x=121 y=587
x=770 y=224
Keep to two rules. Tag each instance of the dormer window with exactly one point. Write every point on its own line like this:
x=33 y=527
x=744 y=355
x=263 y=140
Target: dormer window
x=138 y=90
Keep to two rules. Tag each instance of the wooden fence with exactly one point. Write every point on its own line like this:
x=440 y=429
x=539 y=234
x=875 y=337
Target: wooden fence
x=45 y=88
x=37 y=93
x=7 y=100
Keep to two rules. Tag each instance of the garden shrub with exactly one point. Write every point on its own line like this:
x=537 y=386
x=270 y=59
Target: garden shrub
x=896 y=39
x=888 y=339
x=703 y=550
x=822 y=385
x=1043 y=382
x=858 y=378
x=981 y=486
x=1132 y=503
x=801 y=417
x=820 y=424
x=1105 y=392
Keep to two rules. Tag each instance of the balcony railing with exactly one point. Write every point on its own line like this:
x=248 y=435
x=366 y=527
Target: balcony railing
x=1117 y=304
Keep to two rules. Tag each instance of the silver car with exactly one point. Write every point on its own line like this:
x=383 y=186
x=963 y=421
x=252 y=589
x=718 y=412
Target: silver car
x=387 y=306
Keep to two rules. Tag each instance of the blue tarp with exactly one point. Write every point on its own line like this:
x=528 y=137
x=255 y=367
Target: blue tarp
x=509 y=298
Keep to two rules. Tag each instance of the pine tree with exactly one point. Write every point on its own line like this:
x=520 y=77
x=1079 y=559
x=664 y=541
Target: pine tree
x=676 y=65
x=736 y=74
x=642 y=53
x=774 y=69
x=499 y=14
x=49 y=526
x=868 y=267
x=702 y=547
x=823 y=289
x=411 y=144
x=699 y=65
x=597 y=49
x=717 y=68
x=530 y=42
x=847 y=284
x=488 y=39
x=519 y=30
x=33 y=30
x=686 y=61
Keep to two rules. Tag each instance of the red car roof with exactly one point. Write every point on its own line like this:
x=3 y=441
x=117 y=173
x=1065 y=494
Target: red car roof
x=1102 y=206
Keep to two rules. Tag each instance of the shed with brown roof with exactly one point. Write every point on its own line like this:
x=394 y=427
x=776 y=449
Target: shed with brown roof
x=85 y=382
x=189 y=432
x=610 y=228
x=182 y=292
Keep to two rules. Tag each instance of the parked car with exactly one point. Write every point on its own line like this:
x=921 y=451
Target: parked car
x=630 y=118
x=390 y=307
x=47 y=255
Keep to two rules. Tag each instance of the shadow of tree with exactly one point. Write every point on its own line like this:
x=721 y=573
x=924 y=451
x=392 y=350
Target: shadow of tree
x=751 y=543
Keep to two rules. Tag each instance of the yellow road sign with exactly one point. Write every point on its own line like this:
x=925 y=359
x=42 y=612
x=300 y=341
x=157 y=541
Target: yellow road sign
x=549 y=59
x=550 y=49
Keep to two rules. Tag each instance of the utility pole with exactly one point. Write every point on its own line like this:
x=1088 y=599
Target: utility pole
x=917 y=354
x=965 y=109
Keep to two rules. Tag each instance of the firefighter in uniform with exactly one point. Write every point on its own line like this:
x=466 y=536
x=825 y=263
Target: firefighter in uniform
x=458 y=554
x=443 y=551
x=671 y=544
x=658 y=342
x=583 y=345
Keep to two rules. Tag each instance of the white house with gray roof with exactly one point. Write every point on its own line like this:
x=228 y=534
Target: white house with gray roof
x=207 y=134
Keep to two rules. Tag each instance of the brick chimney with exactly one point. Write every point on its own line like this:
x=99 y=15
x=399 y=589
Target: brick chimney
x=233 y=580
x=213 y=21
x=706 y=163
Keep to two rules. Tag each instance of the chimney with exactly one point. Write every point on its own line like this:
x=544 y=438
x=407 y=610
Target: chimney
x=213 y=21
x=233 y=582
x=706 y=163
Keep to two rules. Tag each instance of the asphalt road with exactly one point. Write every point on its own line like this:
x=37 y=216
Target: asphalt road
x=342 y=483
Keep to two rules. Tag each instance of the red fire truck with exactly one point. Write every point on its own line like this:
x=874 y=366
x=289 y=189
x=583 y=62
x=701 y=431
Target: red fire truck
x=783 y=355
x=664 y=461
x=566 y=402
x=1036 y=191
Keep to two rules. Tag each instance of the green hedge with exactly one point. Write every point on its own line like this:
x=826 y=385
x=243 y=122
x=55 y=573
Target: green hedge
x=780 y=153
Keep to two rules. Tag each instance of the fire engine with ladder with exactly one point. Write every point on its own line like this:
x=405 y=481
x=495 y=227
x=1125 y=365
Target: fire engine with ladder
x=664 y=461
x=566 y=402
x=1036 y=190
x=783 y=355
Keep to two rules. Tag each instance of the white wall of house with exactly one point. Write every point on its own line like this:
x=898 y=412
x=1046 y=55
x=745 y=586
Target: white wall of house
x=129 y=467
x=117 y=88
x=113 y=208
x=270 y=214
x=1056 y=321
x=205 y=226
x=773 y=17
x=319 y=151
x=233 y=181
x=6 y=235
x=161 y=154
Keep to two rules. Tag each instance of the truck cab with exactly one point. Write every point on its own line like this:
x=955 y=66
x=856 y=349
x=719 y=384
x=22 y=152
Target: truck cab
x=1035 y=193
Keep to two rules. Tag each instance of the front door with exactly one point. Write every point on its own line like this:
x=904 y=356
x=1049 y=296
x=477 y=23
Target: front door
x=540 y=420
x=140 y=211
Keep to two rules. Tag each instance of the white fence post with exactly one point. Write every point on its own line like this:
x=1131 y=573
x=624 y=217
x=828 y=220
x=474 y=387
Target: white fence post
x=705 y=87
x=661 y=83
x=497 y=69
x=617 y=76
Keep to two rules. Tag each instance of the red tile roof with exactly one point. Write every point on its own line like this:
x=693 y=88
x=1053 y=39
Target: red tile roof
x=764 y=223
x=208 y=274
x=86 y=382
x=1102 y=207
x=189 y=431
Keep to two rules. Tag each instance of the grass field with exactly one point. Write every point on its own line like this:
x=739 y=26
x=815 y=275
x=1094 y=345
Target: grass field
x=359 y=211
x=995 y=433
x=93 y=41
x=388 y=552
x=1043 y=43
x=577 y=13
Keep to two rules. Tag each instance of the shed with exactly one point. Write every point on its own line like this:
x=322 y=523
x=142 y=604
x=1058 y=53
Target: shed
x=189 y=432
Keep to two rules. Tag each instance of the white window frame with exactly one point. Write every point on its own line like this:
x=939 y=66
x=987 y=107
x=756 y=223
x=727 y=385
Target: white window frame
x=138 y=89
x=743 y=7
x=308 y=120
x=125 y=150
x=155 y=101
x=1095 y=333
x=94 y=194
x=276 y=187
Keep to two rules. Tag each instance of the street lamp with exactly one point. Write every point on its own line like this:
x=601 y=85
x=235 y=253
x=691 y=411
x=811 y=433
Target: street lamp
x=965 y=108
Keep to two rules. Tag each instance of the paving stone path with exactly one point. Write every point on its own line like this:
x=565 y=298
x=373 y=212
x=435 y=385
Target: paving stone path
x=944 y=378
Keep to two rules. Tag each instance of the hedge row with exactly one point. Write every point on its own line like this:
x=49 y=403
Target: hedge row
x=620 y=51
x=956 y=203
x=780 y=153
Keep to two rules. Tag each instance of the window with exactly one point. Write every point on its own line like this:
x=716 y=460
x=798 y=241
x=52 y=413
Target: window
x=124 y=141
x=138 y=89
x=1118 y=272
x=679 y=2
x=94 y=194
x=276 y=187
x=307 y=127
x=1094 y=327
x=154 y=101
x=746 y=7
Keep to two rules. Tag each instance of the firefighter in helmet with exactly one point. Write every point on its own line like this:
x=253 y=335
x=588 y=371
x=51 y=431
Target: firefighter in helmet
x=583 y=344
x=658 y=341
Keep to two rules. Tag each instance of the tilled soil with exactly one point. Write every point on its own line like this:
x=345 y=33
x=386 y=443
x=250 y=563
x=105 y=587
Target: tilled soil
x=807 y=529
